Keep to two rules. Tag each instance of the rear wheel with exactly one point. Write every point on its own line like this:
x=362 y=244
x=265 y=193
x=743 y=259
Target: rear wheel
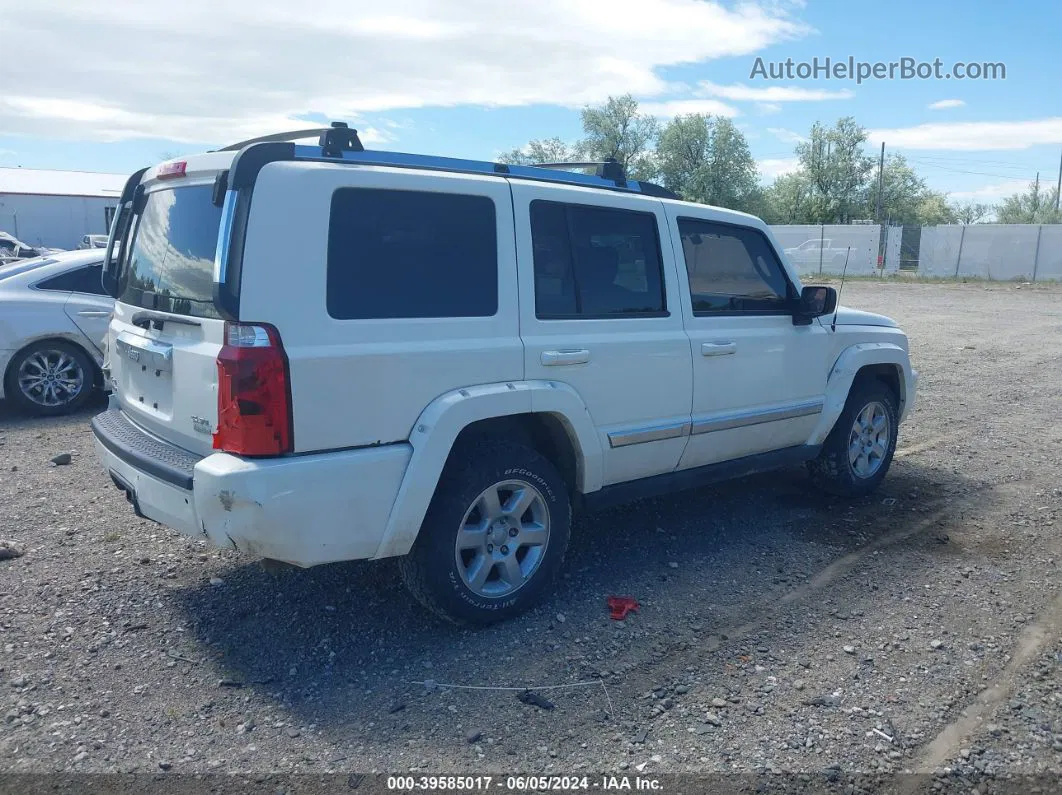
x=494 y=536
x=858 y=452
x=49 y=378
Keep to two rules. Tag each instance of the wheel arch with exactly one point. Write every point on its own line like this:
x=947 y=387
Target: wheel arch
x=883 y=361
x=94 y=357
x=547 y=416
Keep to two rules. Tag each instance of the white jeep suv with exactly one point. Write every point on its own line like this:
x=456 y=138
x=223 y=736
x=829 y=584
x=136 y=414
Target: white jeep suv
x=459 y=355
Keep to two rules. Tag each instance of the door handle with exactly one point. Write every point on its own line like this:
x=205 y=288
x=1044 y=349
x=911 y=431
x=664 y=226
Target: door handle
x=93 y=313
x=559 y=358
x=718 y=348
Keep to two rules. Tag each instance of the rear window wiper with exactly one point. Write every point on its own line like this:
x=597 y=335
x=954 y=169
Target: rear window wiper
x=147 y=319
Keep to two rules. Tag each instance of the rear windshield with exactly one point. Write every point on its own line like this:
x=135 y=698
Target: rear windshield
x=171 y=264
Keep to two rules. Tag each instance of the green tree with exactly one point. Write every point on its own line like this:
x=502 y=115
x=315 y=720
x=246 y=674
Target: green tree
x=1034 y=206
x=902 y=192
x=618 y=130
x=838 y=167
x=789 y=200
x=970 y=212
x=706 y=159
x=546 y=150
x=933 y=209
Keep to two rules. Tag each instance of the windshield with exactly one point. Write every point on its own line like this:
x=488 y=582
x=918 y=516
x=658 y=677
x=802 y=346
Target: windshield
x=171 y=264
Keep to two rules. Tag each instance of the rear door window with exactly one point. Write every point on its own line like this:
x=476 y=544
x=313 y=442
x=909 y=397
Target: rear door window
x=595 y=262
x=171 y=263
x=411 y=254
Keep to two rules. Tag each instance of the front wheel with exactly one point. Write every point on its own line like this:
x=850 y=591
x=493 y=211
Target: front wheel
x=494 y=536
x=858 y=452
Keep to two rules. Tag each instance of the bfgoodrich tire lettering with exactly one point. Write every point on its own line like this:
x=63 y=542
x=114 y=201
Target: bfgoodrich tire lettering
x=498 y=490
x=869 y=401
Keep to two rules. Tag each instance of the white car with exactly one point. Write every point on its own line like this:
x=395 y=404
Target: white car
x=53 y=322
x=93 y=241
x=11 y=248
x=815 y=252
x=465 y=354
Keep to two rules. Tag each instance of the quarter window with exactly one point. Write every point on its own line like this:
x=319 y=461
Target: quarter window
x=595 y=262
x=732 y=269
x=411 y=254
x=81 y=280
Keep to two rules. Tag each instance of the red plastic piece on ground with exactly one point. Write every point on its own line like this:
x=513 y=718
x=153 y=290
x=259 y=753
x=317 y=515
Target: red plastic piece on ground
x=620 y=606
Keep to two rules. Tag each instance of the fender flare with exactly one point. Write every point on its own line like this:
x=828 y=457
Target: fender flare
x=843 y=373
x=439 y=425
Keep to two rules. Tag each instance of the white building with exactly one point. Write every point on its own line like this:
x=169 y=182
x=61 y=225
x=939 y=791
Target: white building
x=56 y=208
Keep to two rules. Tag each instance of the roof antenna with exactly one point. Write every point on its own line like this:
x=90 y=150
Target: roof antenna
x=837 y=308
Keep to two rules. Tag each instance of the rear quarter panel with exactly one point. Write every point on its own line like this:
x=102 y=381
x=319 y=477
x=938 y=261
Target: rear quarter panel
x=364 y=382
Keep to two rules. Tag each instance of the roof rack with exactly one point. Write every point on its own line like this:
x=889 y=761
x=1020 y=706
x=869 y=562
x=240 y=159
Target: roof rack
x=340 y=142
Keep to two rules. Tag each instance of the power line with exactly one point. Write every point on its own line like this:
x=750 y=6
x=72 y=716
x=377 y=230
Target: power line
x=965 y=171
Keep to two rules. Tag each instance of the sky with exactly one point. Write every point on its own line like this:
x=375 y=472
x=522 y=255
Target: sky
x=114 y=86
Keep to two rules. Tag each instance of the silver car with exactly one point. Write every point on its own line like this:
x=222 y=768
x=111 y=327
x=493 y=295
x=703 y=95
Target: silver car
x=53 y=320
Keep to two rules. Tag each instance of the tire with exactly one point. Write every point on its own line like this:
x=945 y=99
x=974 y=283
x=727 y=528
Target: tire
x=72 y=380
x=834 y=470
x=450 y=581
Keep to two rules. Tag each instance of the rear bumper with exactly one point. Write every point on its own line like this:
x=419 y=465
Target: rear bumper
x=304 y=510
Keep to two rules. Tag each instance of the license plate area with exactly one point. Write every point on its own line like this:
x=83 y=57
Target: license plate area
x=146 y=378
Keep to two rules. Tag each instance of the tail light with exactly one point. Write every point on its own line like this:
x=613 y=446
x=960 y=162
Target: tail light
x=254 y=392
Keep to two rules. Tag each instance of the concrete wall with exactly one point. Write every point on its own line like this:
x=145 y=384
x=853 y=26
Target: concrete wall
x=1000 y=252
x=939 y=252
x=55 y=221
x=1049 y=259
x=893 y=240
x=800 y=242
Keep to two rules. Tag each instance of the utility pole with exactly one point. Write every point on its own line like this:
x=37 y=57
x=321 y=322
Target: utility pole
x=1058 y=189
x=881 y=182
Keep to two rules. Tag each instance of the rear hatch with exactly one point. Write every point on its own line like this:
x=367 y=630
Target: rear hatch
x=166 y=333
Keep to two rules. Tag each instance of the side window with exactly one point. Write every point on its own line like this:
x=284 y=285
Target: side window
x=595 y=262
x=81 y=280
x=732 y=269
x=411 y=254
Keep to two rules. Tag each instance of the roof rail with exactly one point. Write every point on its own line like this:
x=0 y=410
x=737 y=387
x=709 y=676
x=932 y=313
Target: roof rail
x=340 y=143
x=281 y=137
x=334 y=140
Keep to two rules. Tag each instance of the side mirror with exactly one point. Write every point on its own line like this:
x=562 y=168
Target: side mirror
x=814 y=302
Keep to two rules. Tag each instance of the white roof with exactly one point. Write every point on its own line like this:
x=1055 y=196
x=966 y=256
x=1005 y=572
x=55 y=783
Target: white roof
x=60 y=183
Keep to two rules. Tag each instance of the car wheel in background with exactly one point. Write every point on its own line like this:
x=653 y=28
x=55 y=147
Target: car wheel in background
x=49 y=378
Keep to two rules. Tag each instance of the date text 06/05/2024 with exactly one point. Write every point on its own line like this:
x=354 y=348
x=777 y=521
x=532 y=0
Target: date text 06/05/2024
x=521 y=783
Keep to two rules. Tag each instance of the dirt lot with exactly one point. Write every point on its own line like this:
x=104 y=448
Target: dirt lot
x=916 y=630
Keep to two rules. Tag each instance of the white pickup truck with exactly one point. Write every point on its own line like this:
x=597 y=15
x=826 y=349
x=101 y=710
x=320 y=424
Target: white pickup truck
x=461 y=356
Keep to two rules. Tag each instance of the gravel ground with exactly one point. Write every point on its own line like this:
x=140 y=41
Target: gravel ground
x=919 y=629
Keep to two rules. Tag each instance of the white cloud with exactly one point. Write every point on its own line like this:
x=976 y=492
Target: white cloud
x=974 y=135
x=740 y=92
x=776 y=167
x=676 y=107
x=767 y=108
x=989 y=194
x=786 y=136
x=944 y=104
x=215 y=72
